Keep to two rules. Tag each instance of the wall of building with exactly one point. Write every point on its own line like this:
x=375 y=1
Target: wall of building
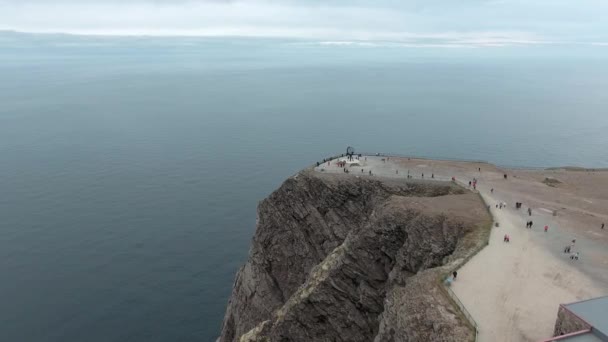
x=567 y=322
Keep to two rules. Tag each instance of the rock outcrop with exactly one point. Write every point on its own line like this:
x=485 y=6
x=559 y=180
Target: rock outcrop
x=343 y=258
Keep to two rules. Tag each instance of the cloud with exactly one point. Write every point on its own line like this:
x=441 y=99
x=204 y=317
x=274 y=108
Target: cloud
x=430 y=22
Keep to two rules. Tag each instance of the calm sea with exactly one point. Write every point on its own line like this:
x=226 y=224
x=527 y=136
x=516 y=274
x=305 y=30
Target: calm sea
x=130 y=169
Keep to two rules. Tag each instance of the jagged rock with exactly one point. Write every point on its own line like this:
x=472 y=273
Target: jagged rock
x=342 y=258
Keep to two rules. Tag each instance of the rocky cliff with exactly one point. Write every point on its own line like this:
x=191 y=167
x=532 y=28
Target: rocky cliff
x=346 y=258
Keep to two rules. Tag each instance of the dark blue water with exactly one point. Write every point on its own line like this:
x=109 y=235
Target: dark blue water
x=130 y=169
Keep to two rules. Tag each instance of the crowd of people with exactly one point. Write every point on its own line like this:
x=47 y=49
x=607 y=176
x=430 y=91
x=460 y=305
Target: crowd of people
x=569 y=249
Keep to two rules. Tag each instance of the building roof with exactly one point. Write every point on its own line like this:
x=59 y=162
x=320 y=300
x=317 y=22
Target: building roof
x=593 y=311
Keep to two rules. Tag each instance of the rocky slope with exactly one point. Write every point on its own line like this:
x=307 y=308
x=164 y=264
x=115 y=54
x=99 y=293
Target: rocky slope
x=343 y=258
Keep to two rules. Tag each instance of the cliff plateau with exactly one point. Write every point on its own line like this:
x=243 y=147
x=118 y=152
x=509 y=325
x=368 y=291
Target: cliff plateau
x=346 y=258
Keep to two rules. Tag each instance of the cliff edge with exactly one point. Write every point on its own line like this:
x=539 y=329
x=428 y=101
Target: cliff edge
x=346 y=258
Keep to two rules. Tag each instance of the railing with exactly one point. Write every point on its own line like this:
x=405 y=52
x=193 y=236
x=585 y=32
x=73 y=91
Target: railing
x=464 y=310
x=451 y=293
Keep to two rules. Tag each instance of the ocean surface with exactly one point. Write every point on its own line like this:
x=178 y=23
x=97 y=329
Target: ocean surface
x=130 y=168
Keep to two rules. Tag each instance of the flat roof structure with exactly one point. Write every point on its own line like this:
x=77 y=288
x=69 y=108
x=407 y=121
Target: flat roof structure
x=592 y=313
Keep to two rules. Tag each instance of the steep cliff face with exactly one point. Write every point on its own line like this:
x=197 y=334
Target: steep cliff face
x=342 y=258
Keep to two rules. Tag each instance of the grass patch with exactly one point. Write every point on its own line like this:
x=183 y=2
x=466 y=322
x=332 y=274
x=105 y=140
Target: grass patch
x=552 y=182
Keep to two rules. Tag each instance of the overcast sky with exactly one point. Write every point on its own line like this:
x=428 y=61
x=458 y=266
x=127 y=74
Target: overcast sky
x=452 y=22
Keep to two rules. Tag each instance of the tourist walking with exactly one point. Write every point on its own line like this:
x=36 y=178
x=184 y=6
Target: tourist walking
x=603 y=225
x=455 y=274
x=546 y=228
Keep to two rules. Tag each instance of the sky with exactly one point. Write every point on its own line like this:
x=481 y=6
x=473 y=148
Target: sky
x=451 y=23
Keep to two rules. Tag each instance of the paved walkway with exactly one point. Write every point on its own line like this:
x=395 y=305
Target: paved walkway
x=513 y=289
